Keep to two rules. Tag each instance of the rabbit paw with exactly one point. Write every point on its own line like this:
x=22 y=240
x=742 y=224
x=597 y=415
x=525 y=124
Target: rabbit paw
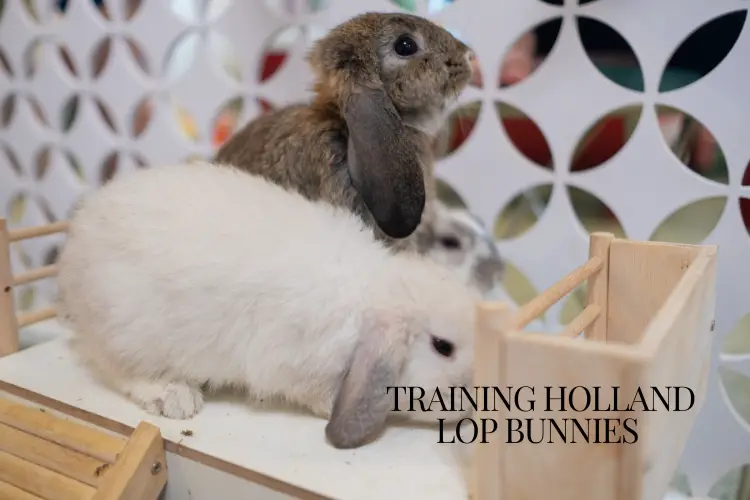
x=169 y=399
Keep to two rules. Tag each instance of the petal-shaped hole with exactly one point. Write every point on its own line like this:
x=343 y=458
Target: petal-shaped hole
x=7 y=108
x=17 y=208
x=275 y=51
x=553 y=2
x=227 y=121
x=224 y=53
x=574 y=304
x=738 y=340
x=31 y=10
x=458 y=126
x=680 y=484
x=26 y=297
x=42 y=161
x=181 y=55
x=101 y=8
x=693 y=144
x=100 y=56
x=435 y=6
x=627 y=72
x=51 y=255
x=12 y=160
x=108 y=168
x=138 y=55
x=265 y=105
x=5 y=64
x=106 y=114
x=448 y=195
x=407 y=5
x=746 y=176
x=141 y=117
x=732 y=485
x=703 y=50
x=67 y=60
x=593 y=213
x=131 y=8
x=186 y=123
x=32 y=58
x=46 y=209
x=75 y=166
x=605 y=138
x=522 y=212
x=69 y=113
x=517 y=285
x=692 y=223
x=36 y=108
x=527 y=54
x=745 y=212
x=525 y=135
x=189 y=11
x=737 y=388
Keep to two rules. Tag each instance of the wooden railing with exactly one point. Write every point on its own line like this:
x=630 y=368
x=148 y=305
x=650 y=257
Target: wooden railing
x=10 y=320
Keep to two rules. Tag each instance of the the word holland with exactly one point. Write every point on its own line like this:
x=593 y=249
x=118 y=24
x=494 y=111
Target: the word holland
x=558 y=399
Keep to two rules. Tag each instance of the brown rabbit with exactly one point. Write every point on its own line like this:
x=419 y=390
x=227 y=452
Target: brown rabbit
x=383 y=81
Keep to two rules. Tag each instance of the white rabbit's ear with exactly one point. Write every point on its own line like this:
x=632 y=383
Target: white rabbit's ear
x=363 y=403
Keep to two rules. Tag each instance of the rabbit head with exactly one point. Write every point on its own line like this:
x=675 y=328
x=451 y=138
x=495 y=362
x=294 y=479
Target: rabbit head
x=458 y=240
x=414 y=341
x=390 y=77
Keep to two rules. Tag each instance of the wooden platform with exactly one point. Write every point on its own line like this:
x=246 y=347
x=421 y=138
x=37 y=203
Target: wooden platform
x=44 y=456
x=284 y=451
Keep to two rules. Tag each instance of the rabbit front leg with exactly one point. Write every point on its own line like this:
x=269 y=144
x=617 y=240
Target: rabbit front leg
x=177 y=400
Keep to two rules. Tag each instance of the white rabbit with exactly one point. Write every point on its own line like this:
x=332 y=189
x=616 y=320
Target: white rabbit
x=459 y=241
x=178 y=277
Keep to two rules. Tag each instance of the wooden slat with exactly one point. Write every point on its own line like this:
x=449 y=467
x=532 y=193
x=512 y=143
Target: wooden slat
x=77 y=437
x=52 y=456
x=36 y=316
x=537 y=306
x=10 y=492
x=141 y=469
x=8 y=323
x=598 y=285
x=37 y=231
x=582 y=321
x=40 y=481
x=34 y=275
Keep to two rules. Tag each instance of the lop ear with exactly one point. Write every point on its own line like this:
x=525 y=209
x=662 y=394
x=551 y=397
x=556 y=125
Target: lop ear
x=384 y=162
x=362 y=404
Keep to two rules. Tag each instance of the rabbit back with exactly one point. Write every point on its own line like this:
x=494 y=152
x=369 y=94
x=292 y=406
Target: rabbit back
x=204 y=273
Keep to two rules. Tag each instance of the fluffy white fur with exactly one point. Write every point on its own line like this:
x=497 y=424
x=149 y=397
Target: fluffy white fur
x=179 y=276
x=462 y=244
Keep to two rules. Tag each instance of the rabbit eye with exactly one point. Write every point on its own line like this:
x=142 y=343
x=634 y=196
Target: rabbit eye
x=405 y=46
x=442 y=347
x=450 y=242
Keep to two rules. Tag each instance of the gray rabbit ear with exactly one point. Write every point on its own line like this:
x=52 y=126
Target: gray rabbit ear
x=384 y=162
x=363 y=402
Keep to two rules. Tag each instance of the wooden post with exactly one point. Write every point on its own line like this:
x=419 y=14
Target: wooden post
x=8 y=322
x=493 y=320
x=598 y=286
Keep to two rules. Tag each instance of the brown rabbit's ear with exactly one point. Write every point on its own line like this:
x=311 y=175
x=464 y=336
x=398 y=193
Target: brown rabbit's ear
x=363 y=403
x=384 y=161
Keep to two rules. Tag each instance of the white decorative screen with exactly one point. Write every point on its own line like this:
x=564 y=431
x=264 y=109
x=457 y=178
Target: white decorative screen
x=588 y=140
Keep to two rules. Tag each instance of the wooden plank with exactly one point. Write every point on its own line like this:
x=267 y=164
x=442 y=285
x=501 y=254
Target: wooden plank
x=582 y=321
x=37 y=231
x=140 y=472
x=51 y=456
x=651 y=270
x=71 y=435
x=35 y=274
x=492 y=321
x=539 y=304
x=36 y=316
x=597 y=289
x=40 y=481
x=8 y=324
x=10 y=492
